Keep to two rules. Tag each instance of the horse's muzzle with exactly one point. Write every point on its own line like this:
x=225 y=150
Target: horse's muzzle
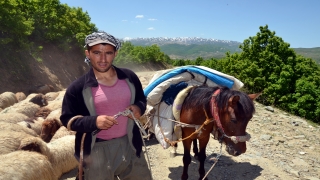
x=235 y=152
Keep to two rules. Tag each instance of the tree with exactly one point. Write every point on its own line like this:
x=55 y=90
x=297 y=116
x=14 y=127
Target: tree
x=288 y=81
x=126 y=54
x=15 y=27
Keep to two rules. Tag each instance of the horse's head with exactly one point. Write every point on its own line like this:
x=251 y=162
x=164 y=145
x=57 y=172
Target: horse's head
x=235 y=109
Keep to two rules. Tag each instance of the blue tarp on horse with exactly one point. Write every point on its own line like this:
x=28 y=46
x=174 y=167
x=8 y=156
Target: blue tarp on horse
x=218 y=79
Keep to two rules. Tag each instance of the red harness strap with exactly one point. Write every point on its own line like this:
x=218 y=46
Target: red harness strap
x=214 y=109
x=215 y=114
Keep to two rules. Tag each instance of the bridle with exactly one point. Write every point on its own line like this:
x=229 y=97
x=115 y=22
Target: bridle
x=215 y=114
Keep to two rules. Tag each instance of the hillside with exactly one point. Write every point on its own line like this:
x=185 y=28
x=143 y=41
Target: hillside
x=25 y=72
x=52 y=66
x=313 y=53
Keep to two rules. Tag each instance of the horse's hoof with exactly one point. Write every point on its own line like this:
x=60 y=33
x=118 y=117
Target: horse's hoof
x=184 y=177
x=172 y=154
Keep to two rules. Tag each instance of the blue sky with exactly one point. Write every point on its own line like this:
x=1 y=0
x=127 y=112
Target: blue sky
x=297 y=22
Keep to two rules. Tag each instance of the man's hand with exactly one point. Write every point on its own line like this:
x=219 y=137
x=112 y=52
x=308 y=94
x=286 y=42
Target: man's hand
x=105 y=122
x=135 y=110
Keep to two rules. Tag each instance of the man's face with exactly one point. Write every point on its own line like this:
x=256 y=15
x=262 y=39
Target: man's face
x=101 y=57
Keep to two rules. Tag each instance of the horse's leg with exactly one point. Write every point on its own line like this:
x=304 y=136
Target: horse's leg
x=202 y=155
x=195 y=149
x=173 y=151
x=186 y=158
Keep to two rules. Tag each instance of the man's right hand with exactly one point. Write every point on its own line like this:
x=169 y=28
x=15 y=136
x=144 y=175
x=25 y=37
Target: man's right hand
x=105 y=122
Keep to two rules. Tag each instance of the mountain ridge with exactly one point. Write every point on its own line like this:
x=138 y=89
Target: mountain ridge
x=178 y=40
x=193 y=47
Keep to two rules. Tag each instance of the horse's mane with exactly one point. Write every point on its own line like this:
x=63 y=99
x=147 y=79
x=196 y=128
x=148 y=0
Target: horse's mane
x=199 y=97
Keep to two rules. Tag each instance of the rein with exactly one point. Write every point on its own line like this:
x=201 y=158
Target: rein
x=172 y=143
x=214 y=112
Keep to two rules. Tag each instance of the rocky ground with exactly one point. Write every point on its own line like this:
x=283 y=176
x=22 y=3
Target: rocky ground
x=282 y=146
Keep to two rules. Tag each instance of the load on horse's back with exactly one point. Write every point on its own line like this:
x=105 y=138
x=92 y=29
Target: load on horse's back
x=197 y=101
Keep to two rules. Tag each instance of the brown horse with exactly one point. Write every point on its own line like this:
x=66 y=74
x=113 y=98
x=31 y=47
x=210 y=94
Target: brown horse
x=218 y=110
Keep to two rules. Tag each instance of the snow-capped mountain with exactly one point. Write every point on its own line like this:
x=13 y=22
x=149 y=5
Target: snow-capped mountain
x=178 y=40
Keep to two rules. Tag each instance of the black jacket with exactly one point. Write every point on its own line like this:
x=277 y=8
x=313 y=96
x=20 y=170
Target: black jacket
x=78 y=100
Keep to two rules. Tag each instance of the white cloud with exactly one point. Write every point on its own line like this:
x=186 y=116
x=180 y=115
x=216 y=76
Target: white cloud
x=151 y=28
x=152 y=19
x=139 y=16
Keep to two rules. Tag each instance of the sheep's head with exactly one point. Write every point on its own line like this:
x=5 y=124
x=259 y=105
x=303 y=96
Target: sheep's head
x=49 y=128
x=44 y=100
x=40 y=99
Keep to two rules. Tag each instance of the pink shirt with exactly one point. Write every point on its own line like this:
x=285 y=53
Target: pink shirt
x=110 y=100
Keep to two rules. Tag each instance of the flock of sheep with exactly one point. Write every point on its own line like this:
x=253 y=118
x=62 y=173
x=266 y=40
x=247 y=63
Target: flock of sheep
x=33 y=142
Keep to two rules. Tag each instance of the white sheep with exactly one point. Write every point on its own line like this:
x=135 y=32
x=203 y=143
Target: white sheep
x=20 y=96
x=10 y=140
x=16 y=128
x=61 y=132
x=7 y=99
x=55 y=114
x=60 y=152
x=54 y=105
x=51 y=95
x=13 y=117
x=26 y=165
x=26 y=108
x=60 y=96
x=34 y=124
x=43 y=112
x=30 y=96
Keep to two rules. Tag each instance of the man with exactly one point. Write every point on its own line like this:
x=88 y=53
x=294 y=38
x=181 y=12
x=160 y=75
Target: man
x=112 y=147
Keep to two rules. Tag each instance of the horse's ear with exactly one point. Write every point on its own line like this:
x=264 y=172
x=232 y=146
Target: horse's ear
x=234 y=100
x=254 y=96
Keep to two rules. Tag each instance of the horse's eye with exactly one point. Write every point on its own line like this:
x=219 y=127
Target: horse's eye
x=234 y=120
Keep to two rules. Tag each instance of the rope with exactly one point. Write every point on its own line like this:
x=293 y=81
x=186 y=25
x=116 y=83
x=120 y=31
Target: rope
x=142 y=131
x=216 y=161
x=177 y=122
x=172 y=143
x=237 y=139
x=145 y=148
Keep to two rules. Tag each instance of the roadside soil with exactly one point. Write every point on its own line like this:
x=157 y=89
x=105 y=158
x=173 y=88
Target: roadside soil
x=282 y=147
